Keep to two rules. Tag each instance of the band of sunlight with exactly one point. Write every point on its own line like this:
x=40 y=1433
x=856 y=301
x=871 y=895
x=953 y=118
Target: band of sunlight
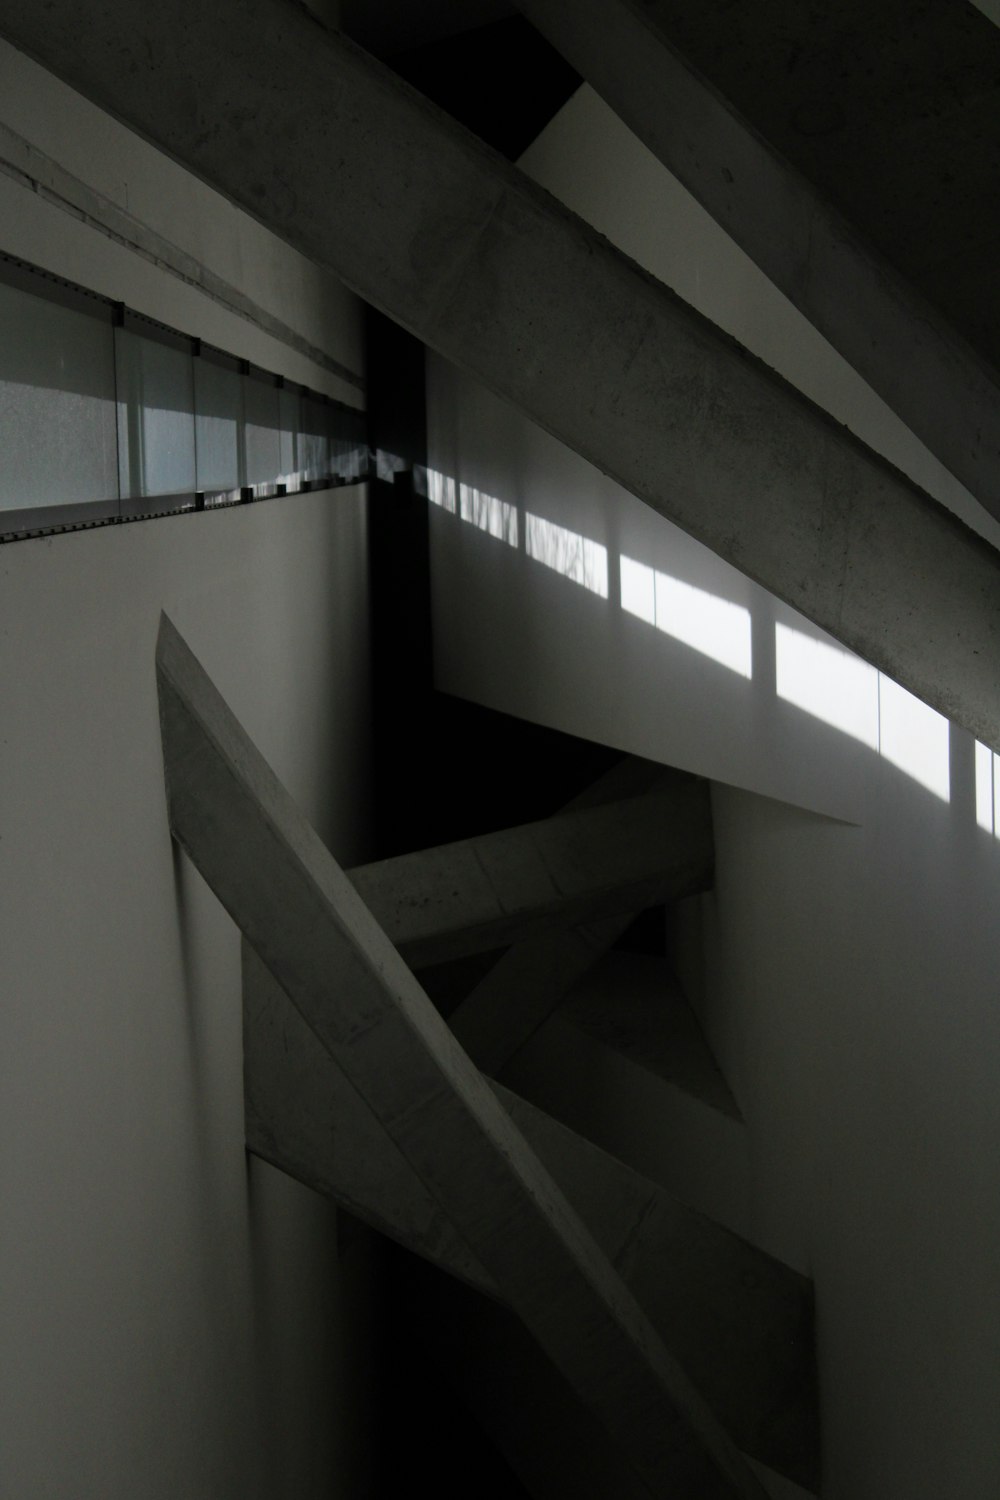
x=488 y=513
x=840 y=689
x=914 y=738
x=987 y=789
x=439 y=488
x=824 y=680
x=715 y=627
x=574 y=556
x=827 y=682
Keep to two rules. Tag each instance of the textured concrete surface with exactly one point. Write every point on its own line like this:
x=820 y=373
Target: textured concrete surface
x=347 y=164
x=512 y=1000
x=581 y=865
x=923 y=367
x=739 y=1321
x=890 y=110
x=306 y=922
x=632 y=1003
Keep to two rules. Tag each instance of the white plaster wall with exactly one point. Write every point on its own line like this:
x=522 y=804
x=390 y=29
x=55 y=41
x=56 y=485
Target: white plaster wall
x=851 y=988
x=853 y=1001
x=176 y=1321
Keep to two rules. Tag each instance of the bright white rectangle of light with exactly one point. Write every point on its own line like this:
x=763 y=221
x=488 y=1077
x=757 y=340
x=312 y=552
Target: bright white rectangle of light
x=914 y=738
x=488 y=513
x=715 y=627
x=440 y=489
x=828 y=682
x=638 y=586
x=575 y=557
x=985 y=774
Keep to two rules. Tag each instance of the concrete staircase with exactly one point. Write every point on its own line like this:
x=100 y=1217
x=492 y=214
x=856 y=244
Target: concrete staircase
x=622 y=1063
x=614 y=1340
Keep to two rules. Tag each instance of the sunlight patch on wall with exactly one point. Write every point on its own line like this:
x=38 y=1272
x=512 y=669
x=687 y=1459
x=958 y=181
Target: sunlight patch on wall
x=439 y=488
x=834 y=685
x=914 y=738
x=713 y=626
x=638 y=586
x=987 y=789
x=827 y=682
x=488 y=514
x=574 y=556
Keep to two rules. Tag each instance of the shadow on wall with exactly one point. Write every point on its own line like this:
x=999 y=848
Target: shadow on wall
x=784 y=655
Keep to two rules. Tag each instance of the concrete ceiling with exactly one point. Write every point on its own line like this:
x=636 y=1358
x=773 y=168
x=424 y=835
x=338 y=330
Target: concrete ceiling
x=890 y=107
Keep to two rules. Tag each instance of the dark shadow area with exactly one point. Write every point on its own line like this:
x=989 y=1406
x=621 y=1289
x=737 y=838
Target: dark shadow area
x=646 y=933
x=503 y=81
x=426 y=1440
x=444 y=768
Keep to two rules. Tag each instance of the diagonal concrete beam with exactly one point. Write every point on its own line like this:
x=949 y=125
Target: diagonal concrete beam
x=589 y=863
x=302 y=1115
x=738 y=1319
x=336 y=155
x=524 y=987
x=920 y=365
x=306 y=922
x=526 y=984
x=518 y=1397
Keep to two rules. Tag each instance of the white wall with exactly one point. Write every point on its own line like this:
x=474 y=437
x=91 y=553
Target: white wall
x=851 y=991
x=176 y=1320
x=853 y=1001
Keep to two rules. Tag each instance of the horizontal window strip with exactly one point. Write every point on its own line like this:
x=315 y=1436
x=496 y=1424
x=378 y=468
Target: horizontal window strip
x=108 y=415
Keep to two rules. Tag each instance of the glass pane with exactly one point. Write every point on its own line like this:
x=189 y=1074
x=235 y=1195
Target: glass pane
x=57 y=404
x=288 y=406
x=218 y=413
x=314 y=453
x=354 y=445
x=155 y=416
x=261 y=431
x=341 y=444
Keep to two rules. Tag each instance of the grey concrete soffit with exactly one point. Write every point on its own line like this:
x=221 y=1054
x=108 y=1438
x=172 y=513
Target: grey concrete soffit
x=922 y=367
x=332 y=152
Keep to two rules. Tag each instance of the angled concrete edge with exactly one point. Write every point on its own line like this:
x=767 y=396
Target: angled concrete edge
x=348 y=164
x=633 y=1004
x=504 y=1009
x=302 y=916
x=580 y=865
x=921 y=366
x=739 y=1320
x=517 y=1395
